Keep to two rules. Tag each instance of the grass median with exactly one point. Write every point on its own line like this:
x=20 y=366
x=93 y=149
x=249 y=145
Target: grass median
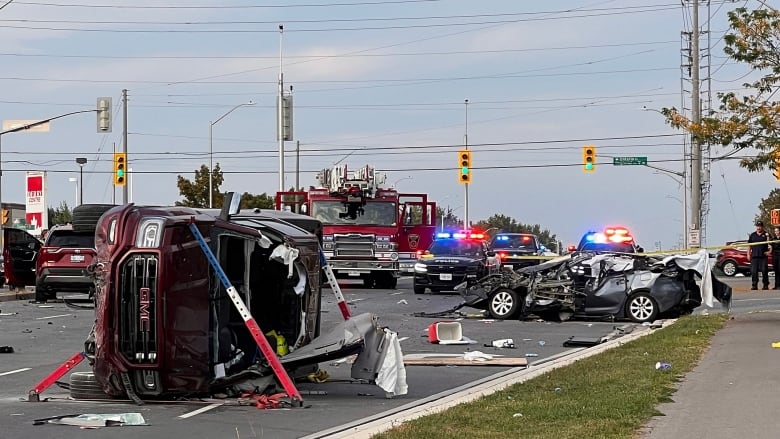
x=611 y=395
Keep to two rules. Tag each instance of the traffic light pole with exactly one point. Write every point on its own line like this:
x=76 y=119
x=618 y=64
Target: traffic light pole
x=124 y=142
x=466 y=224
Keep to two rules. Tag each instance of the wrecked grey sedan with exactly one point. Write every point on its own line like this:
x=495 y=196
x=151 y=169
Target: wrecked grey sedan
x=612 y=286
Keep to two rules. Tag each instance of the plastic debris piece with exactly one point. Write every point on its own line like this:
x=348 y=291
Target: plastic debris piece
x=542 y=342
x=365 y=394
x=26 y=331
x=531 y=355
x=776 y=344
x=517 y=415
x=403 y=302
x=502 y=343
x=477 y=356
x=663 y=366
x=6 y=350
x=89 y=420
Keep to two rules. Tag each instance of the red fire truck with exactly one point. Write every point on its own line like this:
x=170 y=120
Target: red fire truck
x=370 y=231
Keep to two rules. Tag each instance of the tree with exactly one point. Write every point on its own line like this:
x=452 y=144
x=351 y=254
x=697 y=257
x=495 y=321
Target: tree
x=772 y=201
x=60 y=215
x=449 y=219
x=750 y=119
x=196 y=192
x=251 y=201
x=502 y=223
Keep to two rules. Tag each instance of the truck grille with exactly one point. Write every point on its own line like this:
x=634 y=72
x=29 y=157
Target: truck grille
x=353 y=244
x=138 y=309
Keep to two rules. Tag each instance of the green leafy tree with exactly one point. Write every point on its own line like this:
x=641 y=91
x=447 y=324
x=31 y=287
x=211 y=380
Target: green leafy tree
x=501 y=223
x=252 y=201
x=60 y=215
x=772 y=201
x=750 y=118
x=196 y=192
x=449 y=219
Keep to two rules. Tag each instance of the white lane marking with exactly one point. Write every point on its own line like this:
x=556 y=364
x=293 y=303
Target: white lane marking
x=199 y=411
x=52 y=317
x=25 y=369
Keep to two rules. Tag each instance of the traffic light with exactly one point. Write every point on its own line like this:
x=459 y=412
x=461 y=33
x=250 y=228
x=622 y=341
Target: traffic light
x=4 y=219
x=120 y=168
x=464 y=164
x=588 y=158
x=104 y=115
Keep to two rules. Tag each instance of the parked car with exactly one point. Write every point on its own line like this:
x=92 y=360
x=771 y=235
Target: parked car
x=734 y=260
x=511 y=248
x=166 y=326
x=61 y=265
x=634 y=287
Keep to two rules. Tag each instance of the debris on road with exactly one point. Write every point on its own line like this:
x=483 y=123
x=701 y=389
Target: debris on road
x=6 y=350
x=95 y=420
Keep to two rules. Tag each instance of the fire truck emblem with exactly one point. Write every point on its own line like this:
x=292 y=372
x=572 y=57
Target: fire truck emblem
x=413 y=241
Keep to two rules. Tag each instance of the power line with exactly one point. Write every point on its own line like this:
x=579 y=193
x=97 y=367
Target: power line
x=301 y=5
x=349 y=55
x=336 y=29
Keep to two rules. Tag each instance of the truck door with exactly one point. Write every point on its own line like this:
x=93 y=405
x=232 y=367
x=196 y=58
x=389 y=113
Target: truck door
x=418 y=224
x=20 y=253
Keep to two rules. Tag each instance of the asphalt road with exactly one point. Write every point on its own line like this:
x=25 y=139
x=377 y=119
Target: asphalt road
x=45 y=336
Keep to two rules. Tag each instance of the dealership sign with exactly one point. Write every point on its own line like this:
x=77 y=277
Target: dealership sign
x=36 y=216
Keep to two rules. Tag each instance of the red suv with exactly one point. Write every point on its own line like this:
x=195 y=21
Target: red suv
x=63 y=261
x=733 y=260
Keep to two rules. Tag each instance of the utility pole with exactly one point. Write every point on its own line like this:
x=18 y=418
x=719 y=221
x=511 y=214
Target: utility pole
x=297 y=165
x=113 y=191
x=696 y=164
x=280 y=115
x=124 y=138
x=466 y=224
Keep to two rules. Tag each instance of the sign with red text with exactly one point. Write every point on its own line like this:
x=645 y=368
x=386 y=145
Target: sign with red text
x=36 y=216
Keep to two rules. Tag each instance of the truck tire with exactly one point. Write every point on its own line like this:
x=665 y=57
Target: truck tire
x=83 y=385
x=86 y=216
x=386 y=280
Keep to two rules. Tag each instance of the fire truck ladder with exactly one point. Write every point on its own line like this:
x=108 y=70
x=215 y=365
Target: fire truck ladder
x=249 y=321
x=334 y=286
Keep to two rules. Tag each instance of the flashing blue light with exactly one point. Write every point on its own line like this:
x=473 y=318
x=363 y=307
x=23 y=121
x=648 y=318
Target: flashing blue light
x=443 y=235
x=502 y=238
x=590 y=238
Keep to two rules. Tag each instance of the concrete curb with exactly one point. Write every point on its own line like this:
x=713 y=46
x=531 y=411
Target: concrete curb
x=7 y=296
x=365 y=428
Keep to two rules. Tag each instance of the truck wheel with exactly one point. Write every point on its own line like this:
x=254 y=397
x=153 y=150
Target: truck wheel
x=418 y=289
x=83 y=385
x=368 y=282
x=86 y=216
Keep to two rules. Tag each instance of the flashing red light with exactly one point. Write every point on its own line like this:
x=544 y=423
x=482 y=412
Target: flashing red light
x=502 y=256
x=526 y=238
x=477 y=236
x=419 y=253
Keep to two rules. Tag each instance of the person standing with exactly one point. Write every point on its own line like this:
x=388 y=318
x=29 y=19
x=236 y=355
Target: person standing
x=776 y=256
x=757 y=254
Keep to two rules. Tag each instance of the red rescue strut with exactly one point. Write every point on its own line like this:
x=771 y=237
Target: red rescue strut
x=35 y=393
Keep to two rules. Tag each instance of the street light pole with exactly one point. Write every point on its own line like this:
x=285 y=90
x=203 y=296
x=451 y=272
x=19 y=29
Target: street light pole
x=81 y=162
x=211 y=150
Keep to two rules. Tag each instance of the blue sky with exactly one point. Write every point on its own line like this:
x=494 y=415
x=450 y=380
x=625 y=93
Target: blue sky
x=372 y=79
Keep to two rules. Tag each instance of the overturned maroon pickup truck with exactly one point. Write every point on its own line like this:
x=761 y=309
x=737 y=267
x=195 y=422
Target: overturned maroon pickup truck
x=165 y=325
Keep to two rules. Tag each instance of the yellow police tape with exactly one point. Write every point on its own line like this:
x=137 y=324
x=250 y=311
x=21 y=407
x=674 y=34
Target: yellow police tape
x=655 y=253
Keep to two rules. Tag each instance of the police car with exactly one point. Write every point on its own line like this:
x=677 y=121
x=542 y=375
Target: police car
x=514 y=249
x=609 y=240
x=452 y=259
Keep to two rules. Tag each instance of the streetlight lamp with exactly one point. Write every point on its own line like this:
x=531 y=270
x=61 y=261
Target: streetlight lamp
x=81 y=162
x=211 y=149
x=409 y=177
x=75 y=180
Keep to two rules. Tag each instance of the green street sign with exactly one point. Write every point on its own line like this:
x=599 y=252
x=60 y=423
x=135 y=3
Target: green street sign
x=626 y=161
